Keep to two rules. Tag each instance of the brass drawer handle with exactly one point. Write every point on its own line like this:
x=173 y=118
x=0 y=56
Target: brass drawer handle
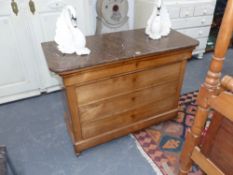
x=14 y=7
x=32 y=7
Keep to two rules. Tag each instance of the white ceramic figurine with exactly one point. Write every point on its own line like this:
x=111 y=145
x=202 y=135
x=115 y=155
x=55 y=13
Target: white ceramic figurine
x=159 y=23
x=69 y=37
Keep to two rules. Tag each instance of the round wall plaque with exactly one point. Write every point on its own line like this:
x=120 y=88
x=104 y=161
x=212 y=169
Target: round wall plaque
x=112 y=15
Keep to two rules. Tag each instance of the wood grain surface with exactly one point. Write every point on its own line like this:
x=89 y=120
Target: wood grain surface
x=127 y=83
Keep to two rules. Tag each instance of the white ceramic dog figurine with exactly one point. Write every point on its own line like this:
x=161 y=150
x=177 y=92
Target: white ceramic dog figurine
x=159 y=23
x=68 y=36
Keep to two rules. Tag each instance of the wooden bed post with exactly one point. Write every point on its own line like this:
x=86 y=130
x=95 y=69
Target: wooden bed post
x=208 y=88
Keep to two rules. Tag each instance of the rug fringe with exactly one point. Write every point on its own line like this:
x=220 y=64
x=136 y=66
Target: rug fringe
x=150 y=161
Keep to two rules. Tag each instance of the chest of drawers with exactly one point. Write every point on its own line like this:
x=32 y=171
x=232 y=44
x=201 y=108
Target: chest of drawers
x=127 y=83
x=190 y=17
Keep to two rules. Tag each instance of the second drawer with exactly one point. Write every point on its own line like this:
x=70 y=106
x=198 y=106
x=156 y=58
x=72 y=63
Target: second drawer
x=191 y=22
x=101 y=90
x=198 y=32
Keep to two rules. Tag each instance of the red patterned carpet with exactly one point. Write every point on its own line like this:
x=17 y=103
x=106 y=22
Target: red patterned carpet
x=162 y=144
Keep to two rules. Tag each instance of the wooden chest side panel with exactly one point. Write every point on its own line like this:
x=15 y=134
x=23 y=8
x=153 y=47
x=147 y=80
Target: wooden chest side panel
x=90 y=93
x=95 y=128
x=106 y=71
x=119 y=104
x=221 y=151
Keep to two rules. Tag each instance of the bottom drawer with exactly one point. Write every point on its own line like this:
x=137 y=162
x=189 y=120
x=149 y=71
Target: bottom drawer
x=202 y=44
x=148 y=107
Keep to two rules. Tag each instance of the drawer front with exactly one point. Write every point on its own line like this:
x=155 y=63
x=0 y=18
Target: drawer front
x=191 y=22
x=199 y=32
x=174 y=12
x=129 y=66
x=109 y=88
x=204 y=10
x=119 y=104
x=202 y=44
x=186 y=12
x=147 y=107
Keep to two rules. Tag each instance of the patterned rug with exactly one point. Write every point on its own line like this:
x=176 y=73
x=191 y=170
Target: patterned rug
x=162 y=144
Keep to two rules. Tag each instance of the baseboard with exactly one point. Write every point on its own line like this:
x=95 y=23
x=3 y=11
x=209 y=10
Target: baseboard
x=20 y=96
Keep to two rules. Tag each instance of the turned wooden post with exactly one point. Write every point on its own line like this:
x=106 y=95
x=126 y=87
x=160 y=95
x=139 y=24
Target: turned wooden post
x=208 y=88
x=227 y=83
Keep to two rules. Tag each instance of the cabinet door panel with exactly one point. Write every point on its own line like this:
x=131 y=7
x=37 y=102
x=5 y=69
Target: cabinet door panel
x=48 y=12
x=48 y=25
x=43 y=24
x=10 y=55
x=17 y=70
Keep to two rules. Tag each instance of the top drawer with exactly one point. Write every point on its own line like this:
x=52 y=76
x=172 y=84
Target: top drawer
x=174 y=12
x=186 y=12
x=112 y=70
x=204 y=10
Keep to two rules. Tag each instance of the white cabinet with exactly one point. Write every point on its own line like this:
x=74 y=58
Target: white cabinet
x=23 y=69
x=18 y=75
x=43 y=26
x=191 y=17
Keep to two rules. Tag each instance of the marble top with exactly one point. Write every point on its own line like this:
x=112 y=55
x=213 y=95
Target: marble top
x=108 y=48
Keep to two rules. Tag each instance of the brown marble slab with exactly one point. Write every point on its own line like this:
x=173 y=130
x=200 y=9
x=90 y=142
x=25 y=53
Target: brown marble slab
x=108 y=48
